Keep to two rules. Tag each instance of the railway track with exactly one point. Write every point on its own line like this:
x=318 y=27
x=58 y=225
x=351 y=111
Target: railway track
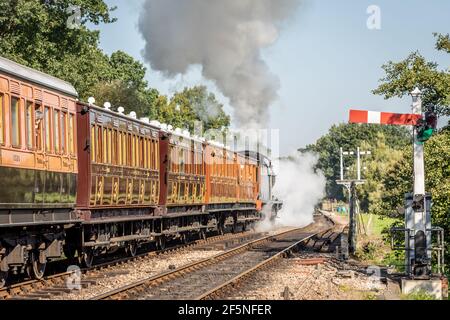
x=208 y=278
x=56 y=284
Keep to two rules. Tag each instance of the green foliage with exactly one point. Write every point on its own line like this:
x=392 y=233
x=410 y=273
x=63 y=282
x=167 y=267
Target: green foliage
x=192 y=105
x=381 y=161
x=418 y=295
x=36 y=33
x=443 y=42
x=349 y=137
x=402 y=77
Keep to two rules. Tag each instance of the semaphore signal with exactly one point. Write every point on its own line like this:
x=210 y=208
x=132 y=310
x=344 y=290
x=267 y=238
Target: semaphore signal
x=417 y=232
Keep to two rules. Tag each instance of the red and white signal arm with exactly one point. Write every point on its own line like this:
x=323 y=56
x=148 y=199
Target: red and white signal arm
x=386 y=118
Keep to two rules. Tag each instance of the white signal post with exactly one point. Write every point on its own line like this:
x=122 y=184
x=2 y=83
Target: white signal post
x=419 y=167
x=418 y=230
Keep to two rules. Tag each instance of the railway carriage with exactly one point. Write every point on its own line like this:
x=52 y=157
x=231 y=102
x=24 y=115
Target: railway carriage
x=183 y=186
x=38 y=167
x=79 y=180
x=118 y=189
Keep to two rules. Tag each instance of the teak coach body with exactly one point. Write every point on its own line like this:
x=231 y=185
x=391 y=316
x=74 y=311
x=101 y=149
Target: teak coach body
x=81 y=180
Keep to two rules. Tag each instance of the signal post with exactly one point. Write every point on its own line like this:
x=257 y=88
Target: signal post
x=421 y=240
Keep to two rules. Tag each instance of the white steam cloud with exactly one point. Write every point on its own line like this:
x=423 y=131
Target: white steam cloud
x=300 y=188
x=226 y=38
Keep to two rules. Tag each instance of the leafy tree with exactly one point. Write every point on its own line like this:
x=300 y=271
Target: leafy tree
x=349 y=137
x=190 y=106
x=35 y=33
x=376 y=167
x=126 y=86
x=399 y=180
x=402 y=77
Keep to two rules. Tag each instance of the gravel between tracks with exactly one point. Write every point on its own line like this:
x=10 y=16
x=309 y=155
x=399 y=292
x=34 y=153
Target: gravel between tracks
x=135 y=271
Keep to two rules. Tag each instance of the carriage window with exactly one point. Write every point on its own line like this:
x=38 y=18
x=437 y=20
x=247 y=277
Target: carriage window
x=124 y=149
x=93 y=143
x=71 y=134
x=142 y=158
x=120 y=148
x=114 y=147
x=38 y=118
x=149 y=154
x=155 y=155
x=56 y=129
x=130 y=150
x=63 y=131
x=47 y=129
x=99 y=143
x=105 y=146
x=15 y=122
x=29 y=124
x=109 y=147
x=1 y=118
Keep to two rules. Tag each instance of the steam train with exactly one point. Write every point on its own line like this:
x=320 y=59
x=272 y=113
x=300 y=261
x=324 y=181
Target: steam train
x=80 y=181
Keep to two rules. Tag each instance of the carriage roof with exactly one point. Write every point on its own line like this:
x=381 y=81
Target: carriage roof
x=25 y=73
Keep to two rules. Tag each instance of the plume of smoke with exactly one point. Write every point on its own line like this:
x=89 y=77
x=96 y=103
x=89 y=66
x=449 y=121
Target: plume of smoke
x=300 y=188
x=206 y=109
x=226 y=38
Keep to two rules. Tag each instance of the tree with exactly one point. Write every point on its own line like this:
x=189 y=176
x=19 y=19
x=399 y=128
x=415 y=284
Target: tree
x=399 y=180
x=191 y=105
x=349 y=137
x=36 y=33
x=402 y=77
x=126 y=86
x=381 y=162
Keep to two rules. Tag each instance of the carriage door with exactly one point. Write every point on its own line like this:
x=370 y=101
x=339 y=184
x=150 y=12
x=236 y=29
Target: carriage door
x=41 y=162
x=41 y=158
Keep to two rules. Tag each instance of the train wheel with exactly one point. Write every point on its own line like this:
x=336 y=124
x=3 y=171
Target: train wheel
x=37 y=268
x=184 y=238
x=3 y=278
x=87 y=258
x=161 y=243
x=132 y=248
x=69 y=252
x=220 y=229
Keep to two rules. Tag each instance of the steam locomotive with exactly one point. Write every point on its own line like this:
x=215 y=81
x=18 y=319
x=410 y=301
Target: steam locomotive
x=80 y=181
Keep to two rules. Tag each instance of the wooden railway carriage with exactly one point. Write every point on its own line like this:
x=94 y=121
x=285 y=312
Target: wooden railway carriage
x=38 y=166
x=118 y=191
x=80 y=178
x=232 y=189
x=182 y=185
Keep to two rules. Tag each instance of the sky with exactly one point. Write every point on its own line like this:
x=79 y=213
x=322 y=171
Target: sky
x=326 y=58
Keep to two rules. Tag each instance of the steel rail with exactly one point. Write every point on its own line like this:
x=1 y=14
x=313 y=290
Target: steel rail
x=139 y=286
x=216 y=292
x=29 y=286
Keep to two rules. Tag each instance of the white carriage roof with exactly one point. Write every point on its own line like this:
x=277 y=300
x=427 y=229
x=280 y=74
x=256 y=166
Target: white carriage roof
x=37 y=77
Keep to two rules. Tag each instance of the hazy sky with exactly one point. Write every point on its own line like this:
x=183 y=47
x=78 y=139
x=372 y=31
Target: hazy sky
x=326 y=58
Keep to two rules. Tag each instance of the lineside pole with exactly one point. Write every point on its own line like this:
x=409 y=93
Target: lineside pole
x=352 y=218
